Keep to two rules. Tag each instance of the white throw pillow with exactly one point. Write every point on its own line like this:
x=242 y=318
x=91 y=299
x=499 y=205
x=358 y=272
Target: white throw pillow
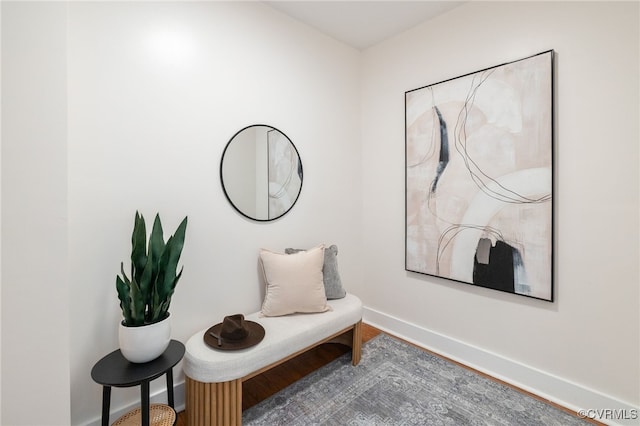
x=294 y=282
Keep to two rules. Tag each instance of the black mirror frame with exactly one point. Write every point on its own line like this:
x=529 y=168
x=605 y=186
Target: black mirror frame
x=299 y=171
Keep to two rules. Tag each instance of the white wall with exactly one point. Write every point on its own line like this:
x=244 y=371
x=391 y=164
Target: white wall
x=0 y=215
x=113 y=107
x=155 y=91
x=590 y=336
x=137 y=118
x=35 y=293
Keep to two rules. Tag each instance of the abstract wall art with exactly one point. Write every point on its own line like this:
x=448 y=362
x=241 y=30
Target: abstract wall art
x=285 y=173
x=479 y=178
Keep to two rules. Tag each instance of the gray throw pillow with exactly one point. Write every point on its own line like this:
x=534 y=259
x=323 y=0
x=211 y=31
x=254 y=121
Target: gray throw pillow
x=331 y=277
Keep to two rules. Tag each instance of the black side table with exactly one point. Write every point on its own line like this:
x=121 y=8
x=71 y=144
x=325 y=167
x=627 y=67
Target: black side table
x=115 y=370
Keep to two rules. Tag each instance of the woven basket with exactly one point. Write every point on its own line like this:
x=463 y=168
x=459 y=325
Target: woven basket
x=159 y=415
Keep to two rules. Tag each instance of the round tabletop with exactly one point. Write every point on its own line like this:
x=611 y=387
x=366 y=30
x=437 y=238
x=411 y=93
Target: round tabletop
x=115 y=370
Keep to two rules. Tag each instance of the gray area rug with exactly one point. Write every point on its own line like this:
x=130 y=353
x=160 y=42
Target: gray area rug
x=398 y=384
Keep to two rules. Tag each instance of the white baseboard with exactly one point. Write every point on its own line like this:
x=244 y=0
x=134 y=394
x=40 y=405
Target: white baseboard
x=599 y=406
x=604 y=408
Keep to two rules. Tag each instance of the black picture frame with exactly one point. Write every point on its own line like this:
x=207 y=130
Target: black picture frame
x=479 y=178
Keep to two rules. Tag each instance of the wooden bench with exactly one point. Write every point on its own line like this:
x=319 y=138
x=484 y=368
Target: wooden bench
x=214 y=378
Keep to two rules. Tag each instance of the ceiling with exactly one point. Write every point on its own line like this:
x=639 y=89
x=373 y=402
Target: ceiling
x=362 y=24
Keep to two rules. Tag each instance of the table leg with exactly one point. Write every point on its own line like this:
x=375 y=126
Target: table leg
x=170 y=388
x=106 y=403
x=144 y=398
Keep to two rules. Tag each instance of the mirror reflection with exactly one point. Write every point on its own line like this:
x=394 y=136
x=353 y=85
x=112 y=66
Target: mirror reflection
x=261 y=172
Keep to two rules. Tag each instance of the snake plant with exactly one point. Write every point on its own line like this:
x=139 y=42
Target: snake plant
x=146 y=296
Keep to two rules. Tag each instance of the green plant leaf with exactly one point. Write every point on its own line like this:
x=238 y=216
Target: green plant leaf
x=146 y=281
x=138 y=247
x=147 y=296
x=123 y=288
x=166 y=281
x=156 y=247
x=156 y=241
x=162 y=304
x=137 y=305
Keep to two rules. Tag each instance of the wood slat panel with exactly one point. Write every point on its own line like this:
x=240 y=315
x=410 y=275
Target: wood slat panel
x=205 y=398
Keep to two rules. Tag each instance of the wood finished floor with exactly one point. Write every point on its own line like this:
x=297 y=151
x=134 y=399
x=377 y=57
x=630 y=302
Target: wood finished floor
x=272 y=381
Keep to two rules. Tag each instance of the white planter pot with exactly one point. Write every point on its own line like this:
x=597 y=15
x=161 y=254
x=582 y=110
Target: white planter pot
x=144 y=343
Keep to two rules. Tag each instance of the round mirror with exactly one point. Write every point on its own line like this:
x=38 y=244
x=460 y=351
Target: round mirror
x=261 y=172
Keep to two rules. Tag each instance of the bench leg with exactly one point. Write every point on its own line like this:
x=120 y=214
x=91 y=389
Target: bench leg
x=352 y=337
x=213 y=404
x=356 y=345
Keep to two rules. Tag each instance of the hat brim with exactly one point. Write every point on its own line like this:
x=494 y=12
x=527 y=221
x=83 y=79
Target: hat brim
x=255 y=336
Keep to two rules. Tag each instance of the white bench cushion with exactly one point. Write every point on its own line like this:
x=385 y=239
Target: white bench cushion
x=284 y=336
